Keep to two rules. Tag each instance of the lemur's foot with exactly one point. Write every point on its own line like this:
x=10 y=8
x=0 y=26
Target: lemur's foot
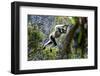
x=44 y=47
x=50 y=50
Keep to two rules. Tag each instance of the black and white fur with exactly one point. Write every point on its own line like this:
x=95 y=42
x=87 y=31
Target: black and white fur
x=59 y=29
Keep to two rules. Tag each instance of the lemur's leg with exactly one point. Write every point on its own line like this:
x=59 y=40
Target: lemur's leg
x=53 y=40
x=49 y=42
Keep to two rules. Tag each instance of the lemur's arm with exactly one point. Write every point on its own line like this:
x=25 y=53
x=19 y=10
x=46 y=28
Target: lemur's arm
x=60 y=28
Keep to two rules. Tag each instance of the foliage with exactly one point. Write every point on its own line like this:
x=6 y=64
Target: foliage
x=35 y=37
x=50 y=55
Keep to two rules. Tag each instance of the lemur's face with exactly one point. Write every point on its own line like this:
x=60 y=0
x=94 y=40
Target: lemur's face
x=64 y=29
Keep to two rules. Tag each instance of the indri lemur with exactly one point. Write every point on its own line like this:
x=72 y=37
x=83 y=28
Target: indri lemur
x=59 y=29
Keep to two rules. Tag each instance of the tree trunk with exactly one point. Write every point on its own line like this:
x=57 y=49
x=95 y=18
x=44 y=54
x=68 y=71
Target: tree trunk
x=84 y=36
x=68 y=39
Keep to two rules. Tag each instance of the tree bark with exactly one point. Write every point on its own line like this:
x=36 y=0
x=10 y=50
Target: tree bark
x=68 y=39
